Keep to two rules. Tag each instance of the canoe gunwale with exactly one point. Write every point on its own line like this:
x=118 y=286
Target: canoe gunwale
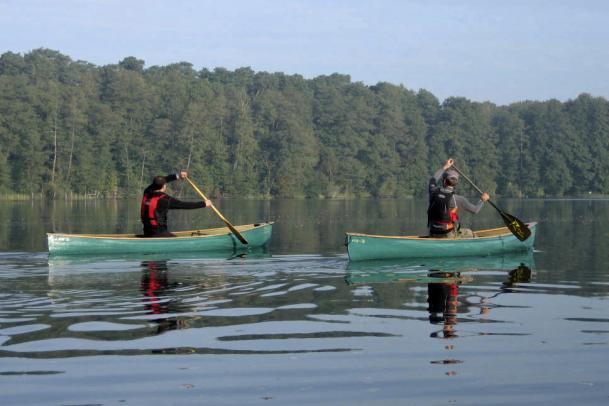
x=179 y=235
x=495 y=234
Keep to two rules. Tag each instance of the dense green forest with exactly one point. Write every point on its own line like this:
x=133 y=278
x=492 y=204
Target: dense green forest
x=73 y=128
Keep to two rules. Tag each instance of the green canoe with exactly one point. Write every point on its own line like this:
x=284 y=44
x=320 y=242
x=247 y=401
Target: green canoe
x=493 y=241
x=206 y=240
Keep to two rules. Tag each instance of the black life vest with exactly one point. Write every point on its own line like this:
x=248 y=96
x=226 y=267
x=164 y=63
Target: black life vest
x=442 y=214
x=148 y=208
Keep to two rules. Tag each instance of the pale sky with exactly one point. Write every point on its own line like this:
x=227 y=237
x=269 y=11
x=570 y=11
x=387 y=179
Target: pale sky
x=500 y=51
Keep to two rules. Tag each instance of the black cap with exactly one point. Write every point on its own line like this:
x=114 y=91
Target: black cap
x=157 y=183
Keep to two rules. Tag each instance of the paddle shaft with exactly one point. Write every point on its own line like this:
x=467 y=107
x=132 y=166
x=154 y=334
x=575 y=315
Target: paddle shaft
x=475 y=187
x=467 y=179
x=516 y=226
x=228 y=223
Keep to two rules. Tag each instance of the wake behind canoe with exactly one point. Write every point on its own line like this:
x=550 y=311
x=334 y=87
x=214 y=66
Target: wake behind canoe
x=205 y=240
x=485 y=242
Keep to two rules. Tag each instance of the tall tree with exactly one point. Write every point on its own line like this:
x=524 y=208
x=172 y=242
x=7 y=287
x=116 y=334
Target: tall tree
x=71 y=126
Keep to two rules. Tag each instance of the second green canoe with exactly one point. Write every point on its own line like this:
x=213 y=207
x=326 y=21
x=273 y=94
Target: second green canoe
x=493 y=241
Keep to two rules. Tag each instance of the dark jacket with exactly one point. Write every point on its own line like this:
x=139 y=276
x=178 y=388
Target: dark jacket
x=164 y=204
x=456 y=202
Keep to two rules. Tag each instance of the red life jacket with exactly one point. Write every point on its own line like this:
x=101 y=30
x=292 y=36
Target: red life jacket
x=148 y=208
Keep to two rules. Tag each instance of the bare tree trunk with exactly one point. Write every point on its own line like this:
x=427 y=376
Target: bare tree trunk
x=243 y=102
x=54 y=147
x=71 y=154
x=128 y=164
x=192 y=141
x=127 y=151
x=54 y=152
x=269 y=181
x=237 y=156
x=142 y=171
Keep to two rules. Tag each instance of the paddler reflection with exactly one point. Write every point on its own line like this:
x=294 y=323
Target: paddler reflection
x=443 y=303
x=157 y=290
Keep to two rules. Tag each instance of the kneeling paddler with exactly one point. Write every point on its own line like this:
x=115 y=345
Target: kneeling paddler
x=156 y=203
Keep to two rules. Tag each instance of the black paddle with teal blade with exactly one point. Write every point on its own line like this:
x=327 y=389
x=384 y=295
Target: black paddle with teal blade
x=517 y=227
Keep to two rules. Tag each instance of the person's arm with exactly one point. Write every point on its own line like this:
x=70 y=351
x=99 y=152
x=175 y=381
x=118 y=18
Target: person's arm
x=174 y=203
x=433 y=185
x=436 y=177
x=172 y=177
x=433 y=182
x=464 y=204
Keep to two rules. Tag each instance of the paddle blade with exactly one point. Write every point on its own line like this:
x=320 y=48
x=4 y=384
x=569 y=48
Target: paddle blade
x=236 y=233
x=517 y=227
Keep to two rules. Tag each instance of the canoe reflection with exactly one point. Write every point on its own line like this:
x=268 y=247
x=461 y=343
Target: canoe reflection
x=443 y=298
x=448 y=264
x=444 y=277
x=61 y=263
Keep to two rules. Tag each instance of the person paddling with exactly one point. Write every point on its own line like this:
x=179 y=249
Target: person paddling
x=156 y=202
x=444 y=204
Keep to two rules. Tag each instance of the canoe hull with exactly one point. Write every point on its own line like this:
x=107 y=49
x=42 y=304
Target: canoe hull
x=209 y=240
x=363 y=247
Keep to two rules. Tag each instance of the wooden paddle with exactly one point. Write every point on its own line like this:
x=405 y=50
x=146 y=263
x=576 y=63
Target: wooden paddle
x=517 y=227
x=228 y=224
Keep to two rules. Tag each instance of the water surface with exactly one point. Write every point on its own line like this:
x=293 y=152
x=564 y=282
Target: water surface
x=298 y=324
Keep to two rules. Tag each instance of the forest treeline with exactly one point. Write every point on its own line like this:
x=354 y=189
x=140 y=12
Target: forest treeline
x=71 y=127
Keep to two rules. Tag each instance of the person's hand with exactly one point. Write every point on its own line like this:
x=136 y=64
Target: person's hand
x=183 y=174
x=449 y=162
x=484 y=197
x=208 y=203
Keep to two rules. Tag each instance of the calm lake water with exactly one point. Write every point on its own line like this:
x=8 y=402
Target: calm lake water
x=299 y=325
